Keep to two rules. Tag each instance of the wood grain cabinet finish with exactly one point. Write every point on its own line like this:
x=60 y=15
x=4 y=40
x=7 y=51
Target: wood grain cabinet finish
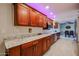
x=40 y=46
x=52 y=39
x=58 y=36
x=48 y=42
x=33 y=48
x=56 y=25
x=44 y=45
x=52 y=23
x=27 y=16
x=37 y=47
x=15 y=51
x=33 y=17
x=44 y=21
x=40 y=20
x=21 y=15
x=27 y=49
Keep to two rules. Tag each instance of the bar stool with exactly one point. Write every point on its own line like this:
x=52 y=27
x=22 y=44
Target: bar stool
x=67 y=34
x=72 y=34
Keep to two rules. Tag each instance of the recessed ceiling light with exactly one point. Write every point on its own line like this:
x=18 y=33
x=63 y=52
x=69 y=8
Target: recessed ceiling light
x=47 y=7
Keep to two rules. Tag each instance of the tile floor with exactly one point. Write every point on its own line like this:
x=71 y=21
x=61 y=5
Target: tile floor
x=63 y=47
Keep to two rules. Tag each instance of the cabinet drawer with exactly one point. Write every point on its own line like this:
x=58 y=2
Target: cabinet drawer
x=35 y=42
x=27 y=45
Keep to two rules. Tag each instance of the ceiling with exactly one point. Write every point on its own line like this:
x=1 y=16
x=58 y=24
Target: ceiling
x=63 y=11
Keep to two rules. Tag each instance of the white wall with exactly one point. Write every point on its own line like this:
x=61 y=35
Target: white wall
x=78 y=28
x=7 y=27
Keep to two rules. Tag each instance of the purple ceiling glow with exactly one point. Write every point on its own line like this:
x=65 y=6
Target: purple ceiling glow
x=41 y=9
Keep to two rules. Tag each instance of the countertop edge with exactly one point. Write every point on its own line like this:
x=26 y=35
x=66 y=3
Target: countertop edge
x=10 y=44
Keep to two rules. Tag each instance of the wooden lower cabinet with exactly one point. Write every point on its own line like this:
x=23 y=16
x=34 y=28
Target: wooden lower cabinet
x=52 y=37
x=44 y=45
x=49 y=41
x=27 y=49
x=15 y=51
x=40 y=46
x=33 y=48
x=37 y=51
x=58 y=35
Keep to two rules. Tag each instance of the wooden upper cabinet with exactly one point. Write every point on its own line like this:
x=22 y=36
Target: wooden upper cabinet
x=55 y=25
x=51 y=21
x=27 y=16
x=44 y=21
x=21 y=14
x=41 y=20
x=33 y=17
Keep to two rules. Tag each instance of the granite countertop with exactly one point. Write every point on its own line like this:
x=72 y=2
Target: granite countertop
x=9 y=43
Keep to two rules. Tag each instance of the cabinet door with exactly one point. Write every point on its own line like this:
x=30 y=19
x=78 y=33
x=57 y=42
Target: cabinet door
x=44 y=45
x=35 y=48
x=58 y=36
x=27 y=49
x=33 y=17
x=40 y=20
x=56 y=25
x=44 y=21
x=52 y=23
x=15 y=51
x=40 y=47
x=21 y=14
x=52 y=38
x=48 y=42
x=49 y=21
